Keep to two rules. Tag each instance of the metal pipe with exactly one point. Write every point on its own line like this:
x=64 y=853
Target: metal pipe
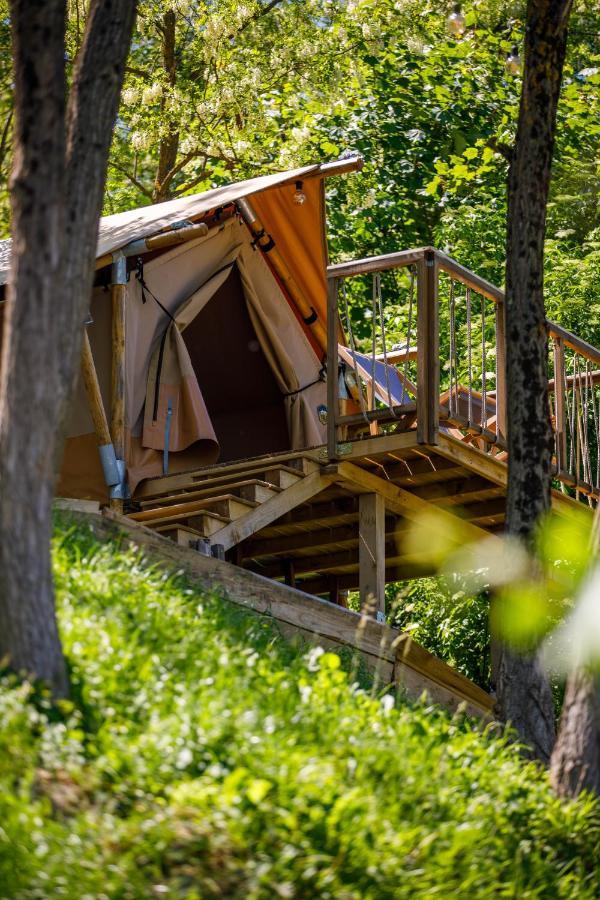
x=265 y=242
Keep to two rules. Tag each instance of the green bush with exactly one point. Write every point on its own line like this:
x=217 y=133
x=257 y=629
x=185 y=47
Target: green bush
x=204 y=756
x=447 y=621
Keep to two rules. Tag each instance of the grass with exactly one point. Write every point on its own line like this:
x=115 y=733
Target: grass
x=204 y=756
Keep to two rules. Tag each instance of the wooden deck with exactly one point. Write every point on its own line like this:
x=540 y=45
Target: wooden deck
x=430 y=441
x=296 y=518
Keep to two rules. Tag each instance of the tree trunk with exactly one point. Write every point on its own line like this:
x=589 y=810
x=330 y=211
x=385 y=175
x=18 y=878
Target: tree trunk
x=524 y=695
x=169 y=144
x=56 y=186
x=31 y=360
x=575 y=764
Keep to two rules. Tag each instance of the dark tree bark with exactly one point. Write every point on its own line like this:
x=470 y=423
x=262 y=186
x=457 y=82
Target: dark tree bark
x=169 y=145
x=575 y=764
x=524 y=696
x=57 y=183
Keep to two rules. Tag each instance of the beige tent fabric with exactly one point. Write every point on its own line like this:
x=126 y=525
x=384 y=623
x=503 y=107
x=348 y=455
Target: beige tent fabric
x=174 y=400
x=181 y=278
x=287 y=349
x=172 y=389
x=282 y=340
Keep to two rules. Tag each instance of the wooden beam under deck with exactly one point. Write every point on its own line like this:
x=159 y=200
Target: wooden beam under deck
x=310 y=532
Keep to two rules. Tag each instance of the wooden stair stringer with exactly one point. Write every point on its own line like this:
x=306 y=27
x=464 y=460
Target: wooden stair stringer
x=393 y=656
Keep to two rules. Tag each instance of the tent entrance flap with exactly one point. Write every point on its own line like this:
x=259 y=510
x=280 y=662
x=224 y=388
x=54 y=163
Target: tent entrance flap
x=242 y=396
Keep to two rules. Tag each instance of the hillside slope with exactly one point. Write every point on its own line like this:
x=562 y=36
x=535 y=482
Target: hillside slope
x=204 y=756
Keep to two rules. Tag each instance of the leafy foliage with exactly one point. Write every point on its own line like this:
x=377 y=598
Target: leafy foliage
x=447 y=620
x=203 y=756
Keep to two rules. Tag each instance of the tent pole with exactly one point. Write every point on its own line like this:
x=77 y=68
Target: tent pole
x=117 y=292
x=269 y=248
x=96 y=406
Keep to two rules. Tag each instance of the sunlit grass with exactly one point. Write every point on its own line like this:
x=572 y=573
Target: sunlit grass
x=204 y=756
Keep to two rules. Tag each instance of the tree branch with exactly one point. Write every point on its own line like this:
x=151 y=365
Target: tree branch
x=135 y=181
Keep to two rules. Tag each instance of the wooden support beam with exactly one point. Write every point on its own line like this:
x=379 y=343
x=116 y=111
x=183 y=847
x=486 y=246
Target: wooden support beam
x=289 y=574
x=371 y=553
x=402 y=502
x=118 y=292
x=273 y=509
x=428 y=364
x=92 y=390
x=303 y=541
x=332 y=368
x=344 y=562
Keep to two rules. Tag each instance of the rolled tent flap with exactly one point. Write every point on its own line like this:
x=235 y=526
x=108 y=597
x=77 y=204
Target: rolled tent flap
x=175 y=415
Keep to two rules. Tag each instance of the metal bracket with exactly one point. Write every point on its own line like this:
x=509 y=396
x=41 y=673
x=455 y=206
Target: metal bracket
x=120 y=491
x=340 y=450
x=119 y=268
x=108 y=459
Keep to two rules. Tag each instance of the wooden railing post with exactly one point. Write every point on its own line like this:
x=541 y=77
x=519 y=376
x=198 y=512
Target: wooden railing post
x=371 y=554
x=501 y=430
x=332 y=367
x=118 y=291
x=428 y=356
x=559 y=404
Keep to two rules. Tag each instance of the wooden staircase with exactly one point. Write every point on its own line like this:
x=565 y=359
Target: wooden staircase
x=193 y=508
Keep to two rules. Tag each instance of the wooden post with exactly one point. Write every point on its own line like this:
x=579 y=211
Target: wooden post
x=428 y=357
x=118 y=291
x=92 y=390
x=501 y=372
x=289 y=574
x=332 y=367
x=371 y=553
x=559 y=405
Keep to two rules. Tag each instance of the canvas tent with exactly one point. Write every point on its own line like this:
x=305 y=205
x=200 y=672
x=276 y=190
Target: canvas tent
x=220 y=359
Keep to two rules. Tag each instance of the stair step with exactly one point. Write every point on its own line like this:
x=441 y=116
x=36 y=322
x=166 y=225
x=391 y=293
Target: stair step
x=242 y=488
x=157 y=488
x=258 y=491
x=282 y=476
x=205 y=522
x=226 y=505
x=181 y=534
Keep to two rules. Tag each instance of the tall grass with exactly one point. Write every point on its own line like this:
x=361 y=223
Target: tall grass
x=204 y=756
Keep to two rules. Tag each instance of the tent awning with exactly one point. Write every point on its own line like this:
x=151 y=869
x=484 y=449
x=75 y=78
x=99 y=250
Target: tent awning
x=120 y=229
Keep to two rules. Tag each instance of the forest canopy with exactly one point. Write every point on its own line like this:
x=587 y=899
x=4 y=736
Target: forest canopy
x=222 y=91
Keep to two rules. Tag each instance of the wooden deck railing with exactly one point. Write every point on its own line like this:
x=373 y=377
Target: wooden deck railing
x=451 y=363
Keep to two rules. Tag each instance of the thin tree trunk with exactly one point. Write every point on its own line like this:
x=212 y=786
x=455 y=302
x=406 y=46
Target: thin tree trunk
x=524 y=696
x=57 y=184
x=169 y=144
x=575 y=764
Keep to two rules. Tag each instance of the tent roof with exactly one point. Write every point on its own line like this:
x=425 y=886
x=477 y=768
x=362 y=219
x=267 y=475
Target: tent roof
x=122 y=228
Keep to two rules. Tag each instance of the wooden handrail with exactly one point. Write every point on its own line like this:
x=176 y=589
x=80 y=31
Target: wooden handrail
x=574 y=454
x=468 y=278
x=571 y=340
x=377 y=263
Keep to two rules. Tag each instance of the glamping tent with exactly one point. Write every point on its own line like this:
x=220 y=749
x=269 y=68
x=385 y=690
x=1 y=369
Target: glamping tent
x=210 y=311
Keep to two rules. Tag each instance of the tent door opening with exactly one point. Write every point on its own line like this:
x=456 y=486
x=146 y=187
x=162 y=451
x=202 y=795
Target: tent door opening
x=242 y=397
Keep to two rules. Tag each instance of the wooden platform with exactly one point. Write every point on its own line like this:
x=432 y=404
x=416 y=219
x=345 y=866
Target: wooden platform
x=296 y=518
